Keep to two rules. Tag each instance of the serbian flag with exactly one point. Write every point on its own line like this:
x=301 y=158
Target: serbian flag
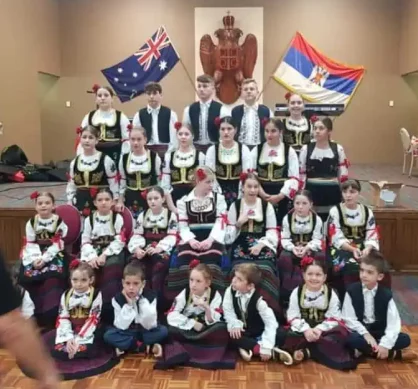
x=317 y=78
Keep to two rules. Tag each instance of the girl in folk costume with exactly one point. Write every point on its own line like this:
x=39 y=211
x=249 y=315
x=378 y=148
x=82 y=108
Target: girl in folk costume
x=102 y=243
x=297 y=127
x=154 y=238
x=200 y=338
x=139 y=170
x=314 y=318
x=179 y=167
x=202 y=226
x=301 y=236
x=228 y=159
x=44 y=268
x=112 y=125
x=76 y=337
x=323 y=165
x=90 y=171
x=353 y=234
x=252 y=231
x=277 y=167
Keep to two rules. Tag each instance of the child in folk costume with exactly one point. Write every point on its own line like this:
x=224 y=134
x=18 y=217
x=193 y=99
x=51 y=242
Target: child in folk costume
x=102 y=244
x=200 y=116
x=44 y=268
x=202 y=226
x=277 y=167
x=298 y=128
x=89 y=171
x=139 y=170
x=199 y=337
x=154 y=238
x=228 y=160
x=301 y=236
x=370 y=312
x=135 y=310
x=250 y=117
x=353 y=234
x=251 y=323
x=157 y=119
x=252 y=231
x=77 y=339
x=111 y=124
x=179 y=167
x=323 y=165
x=314 y=317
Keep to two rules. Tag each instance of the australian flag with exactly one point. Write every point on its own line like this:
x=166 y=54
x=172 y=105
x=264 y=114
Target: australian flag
x=152 y=62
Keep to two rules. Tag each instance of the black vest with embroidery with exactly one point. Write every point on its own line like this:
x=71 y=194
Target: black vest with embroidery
x=201 y=316
x=272 y=172
x=93 y=179
x=138 y=180
x=102 y=241
x=44 y=237
x=354 y=232
x=213 y=112
x=183 y=175
x=263 y=113
x=258 y=226
x=164 y=116
x=381 y=305
x=228 y=171
x=80 y=313
x=155 y=234
x=313 y=316
x=108 y=133
x=202 y=217
x=253 y=323
x=327 y=168
x=296 y=139
x=302 y=239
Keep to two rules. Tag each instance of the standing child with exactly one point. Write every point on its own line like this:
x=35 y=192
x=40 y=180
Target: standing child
x=44 y=270
x=301 y=236
x=314 y=317
x=251 y=323
x=154 y=238
x=102 y=243
x=371 y=314
x=135 y=325
x=199 y=337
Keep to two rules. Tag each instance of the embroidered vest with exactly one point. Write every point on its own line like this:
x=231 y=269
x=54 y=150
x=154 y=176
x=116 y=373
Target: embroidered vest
x=313 y=316
x=108 y=133
x=80 y=312
x=214 y=111
x=302 y=239
x=156 y=233
x=137 y=180
x=96 y=178
x=272 y=171
x=44 y=237
x=354 y=232
x=327 y=168
x=263 y=113
x=228 y=171
x=258 y=226
x=164 y=116
x=200 y=317
x=183 y=175
x=296 y=139
x=105 y=240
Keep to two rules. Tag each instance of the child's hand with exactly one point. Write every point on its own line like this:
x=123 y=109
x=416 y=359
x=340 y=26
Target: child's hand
x=39 y=264
x=198 y=326
x=265 y=357
x=371 y=341
x=101 y=260
x=255 y=250
x=129 y=301
x=382 y=352
x=154 y=250
x=194 y=244
x=310 y=336
x=206 y=244
x=274 y=199
x=366 y=252
x=93 y=263
x=357 y=254
x=236 y=333
x=139 y=253
x=242 y=220
x=317 y=333
x=119 y=206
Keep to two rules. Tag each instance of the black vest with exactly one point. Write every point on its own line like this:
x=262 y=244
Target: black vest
x=230 y=171
x=259 y=227
x=44 y=236
x=214 y=111
x=80 y=312
x=381 y=303
x=201 y=317
x=108 y=133
x=155 y=234
x=263 y=113
x=183 y=175
x=271 y=171
x=253 y=323
x=351 y=232
x=138 y=180
x=164 y=116
x=296 y=139
x=95 y=178
x=303 y=239
x=313 y=316
x=327 y=168
x=102 y=241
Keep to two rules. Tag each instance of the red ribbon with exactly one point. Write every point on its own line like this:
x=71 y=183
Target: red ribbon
x=292 y=193
x=57 y=238
x=219 y=310
x=224 y=220
x=332 y=230
x=376 y=232
x=343 y=179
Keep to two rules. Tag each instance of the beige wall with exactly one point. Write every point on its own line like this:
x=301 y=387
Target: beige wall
x=408 y=55
x=98 y=33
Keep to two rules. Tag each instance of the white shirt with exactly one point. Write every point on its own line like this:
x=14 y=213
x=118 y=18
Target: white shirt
x=28 y=307
x=181 y=311
x=313 y=299
x=268 y=337
x=353 y=218
x=250 y=126
x=271 y=239
x=393 y=320
x=219 y=227
x=302 y=225
x=136 y=122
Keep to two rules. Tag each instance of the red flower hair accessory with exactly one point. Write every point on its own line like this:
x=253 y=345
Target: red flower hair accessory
x=306 y=261
x=217 y=121
x=243 y=176
x=144 y=194
x=193 y=263
x=34 y=195
x=178 y=125
x=288 y=95
x=129 y=127
x=78 y=130
x=200 y=174
x=264 y=121
x=95 y=88
x=93 y=192
x=74 y=264
x=314 y=119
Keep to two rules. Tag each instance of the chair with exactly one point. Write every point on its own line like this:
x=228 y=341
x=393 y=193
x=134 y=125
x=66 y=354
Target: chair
x=71 y=217
x=410 y=146
x=128 y=223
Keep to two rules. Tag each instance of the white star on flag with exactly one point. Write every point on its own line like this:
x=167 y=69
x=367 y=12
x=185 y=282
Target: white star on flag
x=163 y=65
x=120 y=70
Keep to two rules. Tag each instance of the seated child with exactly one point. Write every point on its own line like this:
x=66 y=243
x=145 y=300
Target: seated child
x=314 y=317
x=251 y=323
x=370 y=312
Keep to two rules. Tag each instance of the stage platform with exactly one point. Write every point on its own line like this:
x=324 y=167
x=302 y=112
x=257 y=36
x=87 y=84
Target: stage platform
x=398 y=226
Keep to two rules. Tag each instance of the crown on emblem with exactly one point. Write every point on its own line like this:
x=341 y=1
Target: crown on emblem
x=228 y=21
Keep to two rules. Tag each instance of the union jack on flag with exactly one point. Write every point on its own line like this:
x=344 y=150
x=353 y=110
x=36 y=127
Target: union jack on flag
x=152 y=62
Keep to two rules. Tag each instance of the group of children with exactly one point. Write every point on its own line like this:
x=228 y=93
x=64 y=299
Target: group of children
x=224 y=234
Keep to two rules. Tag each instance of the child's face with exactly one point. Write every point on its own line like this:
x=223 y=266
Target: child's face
x=88 y=141
x=205 y=90
x=314 y=277
x=272 y=133
x=350 y=196
x=295 y=104
x=155 y=200
x=206 y=185
x=227 y=132
x=137 y=140
x=80 y=281
x=249 y=92
x=320 y=131
x=251 y=188
x=369 y=276
x=154 y=99
x=132 y=285
x=198 y=283
x=240 y=283
x=302 y=205
x=103 y=202
x=44 y=206
x=184 y=136
x=103 y=98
